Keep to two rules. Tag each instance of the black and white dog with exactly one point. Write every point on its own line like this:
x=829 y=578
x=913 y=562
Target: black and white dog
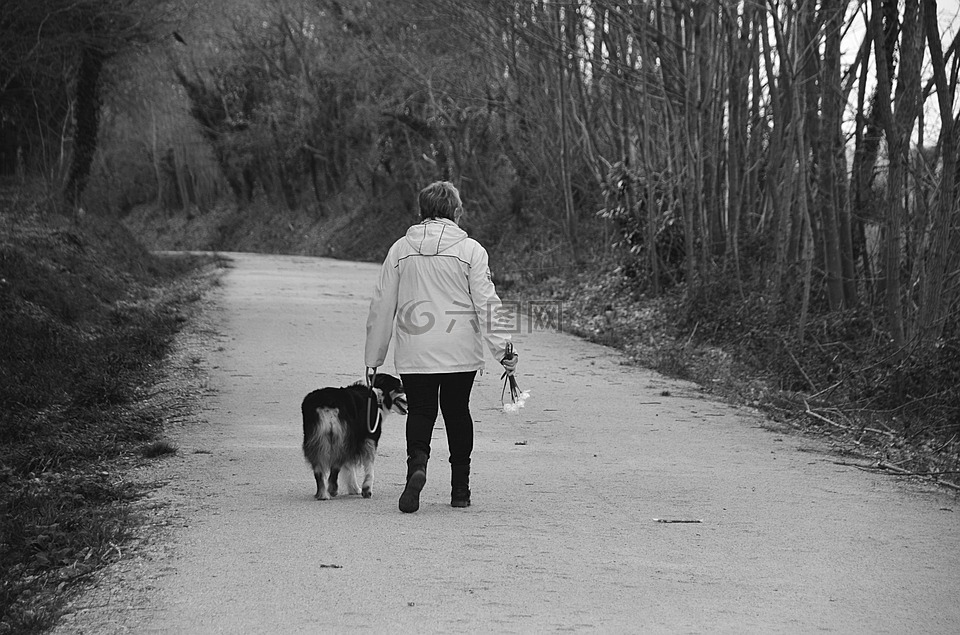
x=341 y=429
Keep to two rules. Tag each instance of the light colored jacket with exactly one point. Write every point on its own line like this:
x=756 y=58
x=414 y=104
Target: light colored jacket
x=435 y=292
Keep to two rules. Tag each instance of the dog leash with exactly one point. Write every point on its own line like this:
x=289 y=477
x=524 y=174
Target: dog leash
x=371 y=377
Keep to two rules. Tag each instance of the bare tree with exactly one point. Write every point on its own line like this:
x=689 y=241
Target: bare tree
x=937 y=266
x=50 y=78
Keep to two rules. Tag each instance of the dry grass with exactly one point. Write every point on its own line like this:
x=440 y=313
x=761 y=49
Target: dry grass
x=87 y=315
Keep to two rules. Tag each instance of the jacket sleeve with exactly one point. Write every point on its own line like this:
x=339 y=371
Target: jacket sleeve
x=493 y=317
x=383 y=310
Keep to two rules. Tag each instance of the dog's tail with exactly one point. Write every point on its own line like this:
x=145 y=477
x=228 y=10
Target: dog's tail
x=314 y=404
x=323 y=432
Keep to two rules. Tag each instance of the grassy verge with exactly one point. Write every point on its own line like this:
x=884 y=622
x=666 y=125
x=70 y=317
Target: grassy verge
x=87 y=316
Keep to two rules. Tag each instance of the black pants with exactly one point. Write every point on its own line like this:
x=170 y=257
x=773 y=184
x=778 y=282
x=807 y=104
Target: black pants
x=451 y=391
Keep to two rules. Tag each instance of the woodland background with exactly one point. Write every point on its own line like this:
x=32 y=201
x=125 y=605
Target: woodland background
x=770 y=184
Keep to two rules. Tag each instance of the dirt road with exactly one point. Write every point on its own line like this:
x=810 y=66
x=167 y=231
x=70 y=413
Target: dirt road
x=561 y=534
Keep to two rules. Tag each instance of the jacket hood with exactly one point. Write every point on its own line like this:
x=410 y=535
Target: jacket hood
x=435 y=236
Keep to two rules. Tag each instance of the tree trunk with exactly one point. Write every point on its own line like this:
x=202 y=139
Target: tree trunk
x=830 y=152
x=570 y=218
x=739 y=53
x=934 y=272
x=897 y=131
x=155 y=151
x=88 y=123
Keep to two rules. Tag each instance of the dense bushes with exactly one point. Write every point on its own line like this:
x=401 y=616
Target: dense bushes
x=843 y=359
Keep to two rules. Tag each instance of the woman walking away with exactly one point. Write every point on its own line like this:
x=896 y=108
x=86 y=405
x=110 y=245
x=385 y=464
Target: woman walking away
x=435 y=291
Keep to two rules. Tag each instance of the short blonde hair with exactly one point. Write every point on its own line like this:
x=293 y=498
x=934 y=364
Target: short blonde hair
x=440 y=199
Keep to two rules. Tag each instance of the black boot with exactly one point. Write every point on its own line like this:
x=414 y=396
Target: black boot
x=459 y=486
x=416 y=479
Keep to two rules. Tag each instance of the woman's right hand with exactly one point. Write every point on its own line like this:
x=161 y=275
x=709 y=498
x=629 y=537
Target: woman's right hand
x=509 y=362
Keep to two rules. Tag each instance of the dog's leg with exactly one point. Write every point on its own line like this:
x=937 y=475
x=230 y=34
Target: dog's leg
x=350 y=476
x=321 y=475
x=368 y=457
x=332 y=485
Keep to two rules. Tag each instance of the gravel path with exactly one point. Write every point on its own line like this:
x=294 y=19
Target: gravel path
x=561 y=534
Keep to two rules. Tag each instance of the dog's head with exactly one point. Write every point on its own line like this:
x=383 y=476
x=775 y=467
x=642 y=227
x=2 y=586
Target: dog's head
x=390 y=393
